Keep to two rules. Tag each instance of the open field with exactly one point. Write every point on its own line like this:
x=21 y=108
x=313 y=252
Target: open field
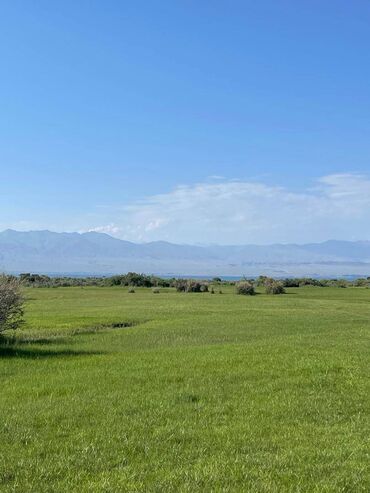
x=199 y=392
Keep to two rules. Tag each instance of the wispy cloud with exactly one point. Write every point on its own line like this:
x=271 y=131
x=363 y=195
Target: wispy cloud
x=108 y=228
x=227 y=212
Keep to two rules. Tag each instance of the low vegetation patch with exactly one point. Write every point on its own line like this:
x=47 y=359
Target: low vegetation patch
x=142 y=280
x=274 y=287
x=11 y=303
x=245 y=288
x=191 y=286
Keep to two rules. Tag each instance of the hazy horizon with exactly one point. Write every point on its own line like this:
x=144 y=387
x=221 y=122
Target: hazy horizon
x=111 y=235
x=45 y=251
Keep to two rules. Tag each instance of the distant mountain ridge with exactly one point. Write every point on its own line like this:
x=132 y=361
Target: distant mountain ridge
x=99 y=253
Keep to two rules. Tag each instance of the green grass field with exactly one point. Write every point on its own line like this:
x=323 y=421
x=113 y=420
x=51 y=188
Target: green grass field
x=188 y=392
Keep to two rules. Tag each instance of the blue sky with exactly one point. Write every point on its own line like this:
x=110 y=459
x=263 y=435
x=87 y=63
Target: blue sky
x=190 y=121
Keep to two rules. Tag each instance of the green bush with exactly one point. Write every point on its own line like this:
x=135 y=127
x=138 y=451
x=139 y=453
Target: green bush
x=245 y=288
x=274 y=287
x=196 y=286
x=11 y=303
x=180 y=285
x=190 y=286
x=261 y=281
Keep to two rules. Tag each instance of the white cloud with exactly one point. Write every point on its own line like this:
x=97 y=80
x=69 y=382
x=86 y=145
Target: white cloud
x=111 y=229
x=236 y=212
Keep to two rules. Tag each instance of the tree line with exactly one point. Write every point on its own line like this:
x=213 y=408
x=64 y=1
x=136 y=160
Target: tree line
x=135 y=279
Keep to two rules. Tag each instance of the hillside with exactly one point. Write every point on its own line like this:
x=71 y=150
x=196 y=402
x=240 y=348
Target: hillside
x=98 y=253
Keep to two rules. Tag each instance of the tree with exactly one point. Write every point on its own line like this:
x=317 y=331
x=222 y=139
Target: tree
x=11 y=303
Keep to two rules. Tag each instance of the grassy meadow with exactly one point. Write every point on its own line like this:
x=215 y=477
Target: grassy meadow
x=103 y=390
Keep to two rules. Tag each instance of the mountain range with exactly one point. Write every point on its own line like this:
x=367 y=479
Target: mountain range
x=98 y=253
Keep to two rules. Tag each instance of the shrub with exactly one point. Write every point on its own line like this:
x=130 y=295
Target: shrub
x=190 y=286
x=291 y=283
x=11 y=303
x=361 y=282
x=274 y=287
x=196 y=287
x=156 y=291
x=308 y=281
x=340 y=283
x=261 y=281
x=180 y=285
x=203 y=288
x=212 y=290
x=137 y=280
x=131 y=290
x=245 y=287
